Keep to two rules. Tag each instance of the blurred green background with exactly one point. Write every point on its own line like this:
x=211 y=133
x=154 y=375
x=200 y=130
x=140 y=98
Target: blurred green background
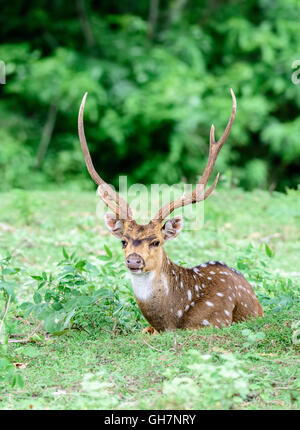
x=158 y=74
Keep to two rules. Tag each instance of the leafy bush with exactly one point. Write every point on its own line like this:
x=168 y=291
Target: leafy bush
x=83 y=296
x=273 y=291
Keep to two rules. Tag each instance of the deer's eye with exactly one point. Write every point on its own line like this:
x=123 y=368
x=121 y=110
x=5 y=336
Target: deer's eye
x=155 y=244
x=124 y=243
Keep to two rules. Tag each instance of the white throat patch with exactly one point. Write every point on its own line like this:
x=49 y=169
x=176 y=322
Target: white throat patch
x=142 y=284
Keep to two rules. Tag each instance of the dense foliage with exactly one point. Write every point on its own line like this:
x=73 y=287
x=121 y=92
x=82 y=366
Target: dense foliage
x=158 y=74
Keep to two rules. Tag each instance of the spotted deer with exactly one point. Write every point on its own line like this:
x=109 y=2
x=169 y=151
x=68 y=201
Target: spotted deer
x=170 y=296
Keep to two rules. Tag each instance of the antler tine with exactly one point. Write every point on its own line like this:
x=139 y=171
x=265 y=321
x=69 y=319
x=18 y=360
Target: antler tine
x=215 y=147
x=112 y=199
x=198 y=193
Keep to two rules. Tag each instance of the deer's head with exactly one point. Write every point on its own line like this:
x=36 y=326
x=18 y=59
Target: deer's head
x=142 y=244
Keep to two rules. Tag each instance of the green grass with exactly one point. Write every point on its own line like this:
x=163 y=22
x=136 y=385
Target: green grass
x=103 y=365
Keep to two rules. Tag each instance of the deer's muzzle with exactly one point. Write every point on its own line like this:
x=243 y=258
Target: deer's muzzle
x=135 y=262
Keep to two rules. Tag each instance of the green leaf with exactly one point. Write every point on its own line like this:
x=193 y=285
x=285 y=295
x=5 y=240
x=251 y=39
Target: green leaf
x=57 y=306
x=9 y=288
x=41 y=284
x=19 y=380
x=108 y=251
x=104 y=257
x=269 y=251
x=10 y=271
x=53 y=322
x=92 y=269
x=37 y=298
x=13 y=381
x=65 y=254
x=68 y=318
x=80 y=265
x=27 y=307
x=37 y=278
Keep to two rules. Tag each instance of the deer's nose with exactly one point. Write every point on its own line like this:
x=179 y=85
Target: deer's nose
x=135 y=262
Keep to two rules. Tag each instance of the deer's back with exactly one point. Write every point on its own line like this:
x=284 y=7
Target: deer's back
x=223 y=296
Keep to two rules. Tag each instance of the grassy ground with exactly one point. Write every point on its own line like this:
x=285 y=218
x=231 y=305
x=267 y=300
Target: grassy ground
x=111 y=364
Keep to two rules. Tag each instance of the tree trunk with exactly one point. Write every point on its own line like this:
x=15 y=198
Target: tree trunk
x=46 y=135
x=152 y=20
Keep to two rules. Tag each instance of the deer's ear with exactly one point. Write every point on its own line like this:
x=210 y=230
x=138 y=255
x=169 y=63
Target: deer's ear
x=172 y=228
x=113 y=224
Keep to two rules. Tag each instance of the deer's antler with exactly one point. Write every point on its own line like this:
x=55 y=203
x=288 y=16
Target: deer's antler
x=198 y=193
x=112 y=199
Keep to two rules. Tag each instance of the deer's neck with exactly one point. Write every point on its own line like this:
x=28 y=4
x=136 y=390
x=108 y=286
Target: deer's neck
x=146 y=284
x=155 y=293
x=143 y=285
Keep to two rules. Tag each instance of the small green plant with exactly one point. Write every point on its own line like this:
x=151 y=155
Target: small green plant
x=8 y=372
x=82 y=295
x=275 y=291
